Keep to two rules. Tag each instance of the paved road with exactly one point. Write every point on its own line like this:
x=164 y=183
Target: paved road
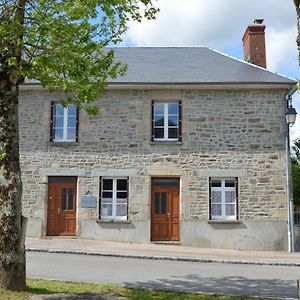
x=248 y=280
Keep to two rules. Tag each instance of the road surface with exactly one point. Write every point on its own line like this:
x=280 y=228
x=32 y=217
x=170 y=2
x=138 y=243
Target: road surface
x=219 y=278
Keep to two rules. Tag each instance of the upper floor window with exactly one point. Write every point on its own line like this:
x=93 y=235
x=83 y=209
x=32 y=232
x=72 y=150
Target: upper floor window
x=64 y=123
x=223 y=198
x=166 y=121
x=113 y=198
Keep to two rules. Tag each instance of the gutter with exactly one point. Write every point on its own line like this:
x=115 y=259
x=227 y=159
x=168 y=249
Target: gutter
x=291 y=87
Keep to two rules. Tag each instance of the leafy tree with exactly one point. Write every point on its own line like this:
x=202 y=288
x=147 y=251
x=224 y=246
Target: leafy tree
x=297 y=6
x=296 y=171
x=61 y=44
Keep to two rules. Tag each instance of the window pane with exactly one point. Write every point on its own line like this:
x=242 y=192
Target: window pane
x=72 y=121
x=71 y=133
x=107 y=184
x=165 y=182
x=107 y=201
x=173 y=108
x=230 y=210
x=216 y=209
x=70 y=199
x=172 y=121
x=106 y=210
x=158 y=108
x=216 y=183
x=122 y=195
x=173 y=133
x=156 y=202
x=158 y=133
x=163 y=209
x=72 y=110
x=121 y=210
x=122 y=185
x=63 y=199
x=107 y=195
x=229 y=183
x=159 y=120
x=59 y=110
x=59 y=121
x=229 y=196
x=121 y=207
x=58 y=134
x=215 y=197
x=122 y=201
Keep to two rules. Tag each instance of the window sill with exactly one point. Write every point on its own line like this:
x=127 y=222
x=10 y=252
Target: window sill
x=63 y=144
x=101 y=221
x=166 y=143
x=224 y=222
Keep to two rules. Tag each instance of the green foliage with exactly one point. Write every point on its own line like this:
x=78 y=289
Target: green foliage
x=63 y=42
x=296 y=171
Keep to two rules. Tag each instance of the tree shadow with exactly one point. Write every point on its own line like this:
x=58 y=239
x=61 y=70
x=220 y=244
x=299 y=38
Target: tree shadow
x=81 y=296
x=235 y=285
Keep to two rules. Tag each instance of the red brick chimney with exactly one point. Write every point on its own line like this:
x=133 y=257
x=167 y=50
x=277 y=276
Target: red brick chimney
x=254 y=43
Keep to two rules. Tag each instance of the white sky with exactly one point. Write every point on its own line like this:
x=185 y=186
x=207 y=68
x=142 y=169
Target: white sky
x=220 y=24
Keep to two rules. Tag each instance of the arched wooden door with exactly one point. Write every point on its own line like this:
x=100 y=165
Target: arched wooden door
x=165 y=222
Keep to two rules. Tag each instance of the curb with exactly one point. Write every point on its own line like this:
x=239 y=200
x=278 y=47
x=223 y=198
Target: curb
x=171 y=258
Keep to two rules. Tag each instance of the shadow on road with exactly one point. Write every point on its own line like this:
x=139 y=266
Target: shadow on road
x=235 y=285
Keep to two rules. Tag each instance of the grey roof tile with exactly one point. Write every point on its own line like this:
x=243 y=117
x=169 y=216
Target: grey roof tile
x=189 y=65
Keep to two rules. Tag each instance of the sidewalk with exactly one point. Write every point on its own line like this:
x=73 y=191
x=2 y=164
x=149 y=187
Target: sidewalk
x=159 y=251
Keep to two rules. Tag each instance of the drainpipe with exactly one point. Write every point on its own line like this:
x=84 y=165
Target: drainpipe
x=291 y=247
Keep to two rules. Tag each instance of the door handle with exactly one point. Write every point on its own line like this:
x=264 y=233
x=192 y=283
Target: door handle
x=58 y=210
x=168 y=214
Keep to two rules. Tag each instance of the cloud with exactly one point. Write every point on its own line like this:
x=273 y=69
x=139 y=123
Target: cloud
x=220 y=25
x=217 y=24
x=282 y=51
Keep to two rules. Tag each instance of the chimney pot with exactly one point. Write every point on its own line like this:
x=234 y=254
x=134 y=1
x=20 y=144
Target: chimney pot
x=258 y=21
x=254 y=43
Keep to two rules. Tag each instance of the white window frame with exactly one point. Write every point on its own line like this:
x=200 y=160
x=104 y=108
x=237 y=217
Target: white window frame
x=223 y=189
x=166 y=120
x=114 y=200
x=65 y=125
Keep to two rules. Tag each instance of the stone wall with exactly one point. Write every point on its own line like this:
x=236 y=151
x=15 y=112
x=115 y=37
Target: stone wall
x=235 y=133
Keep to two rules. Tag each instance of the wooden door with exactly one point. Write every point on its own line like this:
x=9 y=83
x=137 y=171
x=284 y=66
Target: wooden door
x=165 y=209
x=61 y=218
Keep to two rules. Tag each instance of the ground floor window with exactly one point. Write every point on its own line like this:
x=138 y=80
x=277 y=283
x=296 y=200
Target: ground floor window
x=113 y=198
x=223 y=198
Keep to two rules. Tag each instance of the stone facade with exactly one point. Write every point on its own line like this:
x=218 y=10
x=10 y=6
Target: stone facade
x=225 y=133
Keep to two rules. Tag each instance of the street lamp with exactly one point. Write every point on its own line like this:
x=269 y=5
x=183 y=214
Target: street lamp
x=290 y=115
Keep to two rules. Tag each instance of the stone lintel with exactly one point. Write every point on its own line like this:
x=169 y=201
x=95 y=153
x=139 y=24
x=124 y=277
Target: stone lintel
x=115 y=172
x=222 y=173
x=64 y=172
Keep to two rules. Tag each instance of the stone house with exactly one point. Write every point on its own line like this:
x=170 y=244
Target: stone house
x=188 y=147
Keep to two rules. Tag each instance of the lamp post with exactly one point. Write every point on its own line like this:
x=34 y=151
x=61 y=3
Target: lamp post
x=290 y=116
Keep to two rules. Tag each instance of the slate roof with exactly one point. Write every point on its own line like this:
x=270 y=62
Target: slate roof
x=181 y=65
x=188 y=65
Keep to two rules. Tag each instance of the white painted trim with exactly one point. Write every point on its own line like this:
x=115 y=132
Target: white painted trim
x=223 y=189
x=114 y=199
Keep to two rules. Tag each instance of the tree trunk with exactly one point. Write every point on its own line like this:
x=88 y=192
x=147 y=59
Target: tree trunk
x=12 y=225
x=297 y=5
